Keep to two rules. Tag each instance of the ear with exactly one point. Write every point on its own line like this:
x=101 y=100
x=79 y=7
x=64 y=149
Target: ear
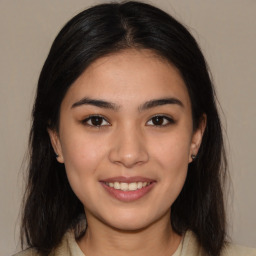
x=55 y=141
x=197 y=137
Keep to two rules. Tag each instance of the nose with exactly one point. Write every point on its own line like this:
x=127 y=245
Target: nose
x=128 y=148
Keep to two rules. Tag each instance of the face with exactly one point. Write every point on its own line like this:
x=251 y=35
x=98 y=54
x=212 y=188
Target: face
x=126 y=138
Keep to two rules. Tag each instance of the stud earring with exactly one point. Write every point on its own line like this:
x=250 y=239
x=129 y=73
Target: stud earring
x=56 y=155
x=193 y=157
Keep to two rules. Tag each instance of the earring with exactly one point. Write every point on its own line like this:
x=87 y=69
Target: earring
x=56 y=155
x=193 y=157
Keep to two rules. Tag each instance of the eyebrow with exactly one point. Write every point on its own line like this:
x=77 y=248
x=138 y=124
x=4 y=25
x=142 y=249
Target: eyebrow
x=160 y=102
x=109 y=105
x=96 y=103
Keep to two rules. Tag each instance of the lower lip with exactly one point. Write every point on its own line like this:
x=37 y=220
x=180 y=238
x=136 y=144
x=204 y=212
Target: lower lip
x=128 y=196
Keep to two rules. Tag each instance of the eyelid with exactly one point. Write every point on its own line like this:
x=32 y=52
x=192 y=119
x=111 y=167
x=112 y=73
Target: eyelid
x=169 y=119
x=85 y=120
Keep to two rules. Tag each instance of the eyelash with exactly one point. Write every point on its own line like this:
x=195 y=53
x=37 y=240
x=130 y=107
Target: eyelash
x=90 y=118
x=165 y=119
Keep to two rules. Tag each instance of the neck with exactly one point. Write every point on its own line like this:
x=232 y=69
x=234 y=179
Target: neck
x=156 y=239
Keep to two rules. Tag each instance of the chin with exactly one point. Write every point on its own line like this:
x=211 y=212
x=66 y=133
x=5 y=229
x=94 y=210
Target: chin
x=132 y=221
x=129 y=226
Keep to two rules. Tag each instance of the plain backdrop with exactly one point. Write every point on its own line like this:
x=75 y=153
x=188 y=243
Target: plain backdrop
x=226 y=32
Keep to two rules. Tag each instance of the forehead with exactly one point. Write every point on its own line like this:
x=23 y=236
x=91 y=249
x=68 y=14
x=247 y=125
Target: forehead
x=129 y=77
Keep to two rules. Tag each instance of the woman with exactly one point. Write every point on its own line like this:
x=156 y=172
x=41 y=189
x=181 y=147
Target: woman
x=127 y=153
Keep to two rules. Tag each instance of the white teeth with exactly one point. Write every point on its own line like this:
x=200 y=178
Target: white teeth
x=127 y=186
x=133 y=186
x=117 y=185
x=124 y=186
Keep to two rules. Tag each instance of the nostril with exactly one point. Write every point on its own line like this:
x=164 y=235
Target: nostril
x=128 y=159
x=128 y=147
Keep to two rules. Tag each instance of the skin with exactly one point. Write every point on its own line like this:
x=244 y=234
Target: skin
x=128 y=143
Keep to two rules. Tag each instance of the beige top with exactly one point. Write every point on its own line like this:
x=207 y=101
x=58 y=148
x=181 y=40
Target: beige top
x=188 y=247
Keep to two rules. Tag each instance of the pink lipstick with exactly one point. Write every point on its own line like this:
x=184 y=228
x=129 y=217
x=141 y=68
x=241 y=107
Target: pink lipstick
x=128 y=188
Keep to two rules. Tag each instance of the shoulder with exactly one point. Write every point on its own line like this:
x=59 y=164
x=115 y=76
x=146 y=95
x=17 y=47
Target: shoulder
x=67 y=247
x=27 y=252
x=191 y=247
x=237 y=250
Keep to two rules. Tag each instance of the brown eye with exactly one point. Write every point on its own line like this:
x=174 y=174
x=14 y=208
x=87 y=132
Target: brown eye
x=160 y=121
x=96 y=121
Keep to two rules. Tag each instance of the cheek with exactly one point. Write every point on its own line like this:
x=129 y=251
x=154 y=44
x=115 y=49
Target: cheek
x=172 y=150
x=171 y=155
x=82 y=155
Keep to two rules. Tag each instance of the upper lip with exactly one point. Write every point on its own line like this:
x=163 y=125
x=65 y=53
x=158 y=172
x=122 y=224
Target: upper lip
x=127 y=179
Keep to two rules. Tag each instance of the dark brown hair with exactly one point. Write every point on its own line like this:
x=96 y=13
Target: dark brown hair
x=50 y=206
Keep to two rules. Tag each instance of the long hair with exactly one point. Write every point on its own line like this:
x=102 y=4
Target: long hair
x=50 y=206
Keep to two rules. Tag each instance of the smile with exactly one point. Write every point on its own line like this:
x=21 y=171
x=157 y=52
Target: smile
x=128 y=189
x=127 y=186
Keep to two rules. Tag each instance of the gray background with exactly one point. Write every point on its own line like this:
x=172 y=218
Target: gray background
x=226 y=31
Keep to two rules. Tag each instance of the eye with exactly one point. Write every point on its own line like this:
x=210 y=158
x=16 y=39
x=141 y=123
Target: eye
x=96 y=120
x=160 y=120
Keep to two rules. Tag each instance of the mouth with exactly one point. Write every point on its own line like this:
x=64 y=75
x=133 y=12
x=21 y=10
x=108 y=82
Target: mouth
x=133 y=186
x=128 y=189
